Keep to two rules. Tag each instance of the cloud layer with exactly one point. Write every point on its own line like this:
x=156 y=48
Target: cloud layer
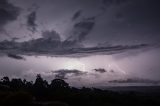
x=52 y=46
x=8 y=13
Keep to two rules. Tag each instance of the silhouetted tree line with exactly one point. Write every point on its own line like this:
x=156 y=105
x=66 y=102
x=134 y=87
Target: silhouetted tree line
x=18 y=92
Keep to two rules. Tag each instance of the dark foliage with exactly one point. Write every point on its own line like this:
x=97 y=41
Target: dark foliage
x=18 y=92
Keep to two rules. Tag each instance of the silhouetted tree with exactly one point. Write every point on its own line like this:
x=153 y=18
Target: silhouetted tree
x=28 y=84
x=40 y=83
x=17 y=84
x=5 y=80
x=58 y=84
x=40 y=87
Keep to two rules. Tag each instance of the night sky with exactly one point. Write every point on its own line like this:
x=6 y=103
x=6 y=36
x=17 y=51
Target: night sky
x=91 y=41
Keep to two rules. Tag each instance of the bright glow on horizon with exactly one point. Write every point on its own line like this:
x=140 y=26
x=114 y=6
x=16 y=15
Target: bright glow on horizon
x=74 y=64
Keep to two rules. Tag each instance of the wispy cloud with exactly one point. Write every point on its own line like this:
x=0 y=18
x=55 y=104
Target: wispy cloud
x=31 y=21
x=134 y=80
x=81 y=29
x=51 y=47
x=77 y=15
x=100 y=70
x=62 y=74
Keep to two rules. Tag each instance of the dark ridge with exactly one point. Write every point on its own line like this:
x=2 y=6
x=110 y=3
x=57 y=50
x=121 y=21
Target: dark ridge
x=18 y=92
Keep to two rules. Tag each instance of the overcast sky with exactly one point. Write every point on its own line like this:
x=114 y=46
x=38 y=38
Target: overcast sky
x=90 y=23
x=116 y=21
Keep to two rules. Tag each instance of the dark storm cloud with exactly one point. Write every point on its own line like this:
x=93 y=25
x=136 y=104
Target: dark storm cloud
x=62 y=74
x=52 y=47
x=8 y=13
x=77 y=15
x=134 y=80
x=125 y=20
x=31 y=21
x=100 y=70
x=108 y=50
x=51 y=35
x=140 y=15
x=82 y=29
x=15 y=39
x=14 y=56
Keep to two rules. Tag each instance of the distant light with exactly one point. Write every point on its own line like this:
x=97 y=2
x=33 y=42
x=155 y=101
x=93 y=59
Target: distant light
x=74 y=64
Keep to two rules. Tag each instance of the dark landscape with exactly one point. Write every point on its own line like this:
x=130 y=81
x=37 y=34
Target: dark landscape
x=18 y=92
